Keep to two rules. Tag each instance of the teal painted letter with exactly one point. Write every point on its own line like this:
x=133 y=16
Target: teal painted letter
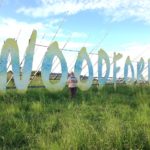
x=103 y=55
x=115 y=68
x=83 y=85
x=149 y=71
x=53 y=50
x=126 y=70
x=140 y=68
x=11 y=47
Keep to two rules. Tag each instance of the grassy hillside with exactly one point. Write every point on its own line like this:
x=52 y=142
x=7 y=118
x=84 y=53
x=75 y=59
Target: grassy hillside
x=96 y=119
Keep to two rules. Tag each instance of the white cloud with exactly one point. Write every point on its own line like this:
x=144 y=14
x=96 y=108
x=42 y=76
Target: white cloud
x=11 y=28
x=136 y=51
x=117 y=9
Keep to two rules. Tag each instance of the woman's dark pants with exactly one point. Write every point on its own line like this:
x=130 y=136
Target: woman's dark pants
x=73 y=92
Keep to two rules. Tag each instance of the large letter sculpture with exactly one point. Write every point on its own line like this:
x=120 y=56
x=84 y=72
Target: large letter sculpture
x=126 y=70
x=21 y=82
x=83 y=85
x=11 y=47
x=103 y=55
x=140 y=69
x=115 y=68
x=53 y=51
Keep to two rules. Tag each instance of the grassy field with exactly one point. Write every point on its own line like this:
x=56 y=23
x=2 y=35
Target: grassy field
x=96 y=119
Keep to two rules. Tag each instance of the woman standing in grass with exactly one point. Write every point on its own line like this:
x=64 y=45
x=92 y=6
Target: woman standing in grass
x=72 y=84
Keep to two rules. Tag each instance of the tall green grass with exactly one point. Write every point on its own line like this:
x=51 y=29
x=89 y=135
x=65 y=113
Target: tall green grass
x=96 y=119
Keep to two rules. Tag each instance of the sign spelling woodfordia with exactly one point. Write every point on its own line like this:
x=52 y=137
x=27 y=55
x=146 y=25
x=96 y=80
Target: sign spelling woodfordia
x=10 y=47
